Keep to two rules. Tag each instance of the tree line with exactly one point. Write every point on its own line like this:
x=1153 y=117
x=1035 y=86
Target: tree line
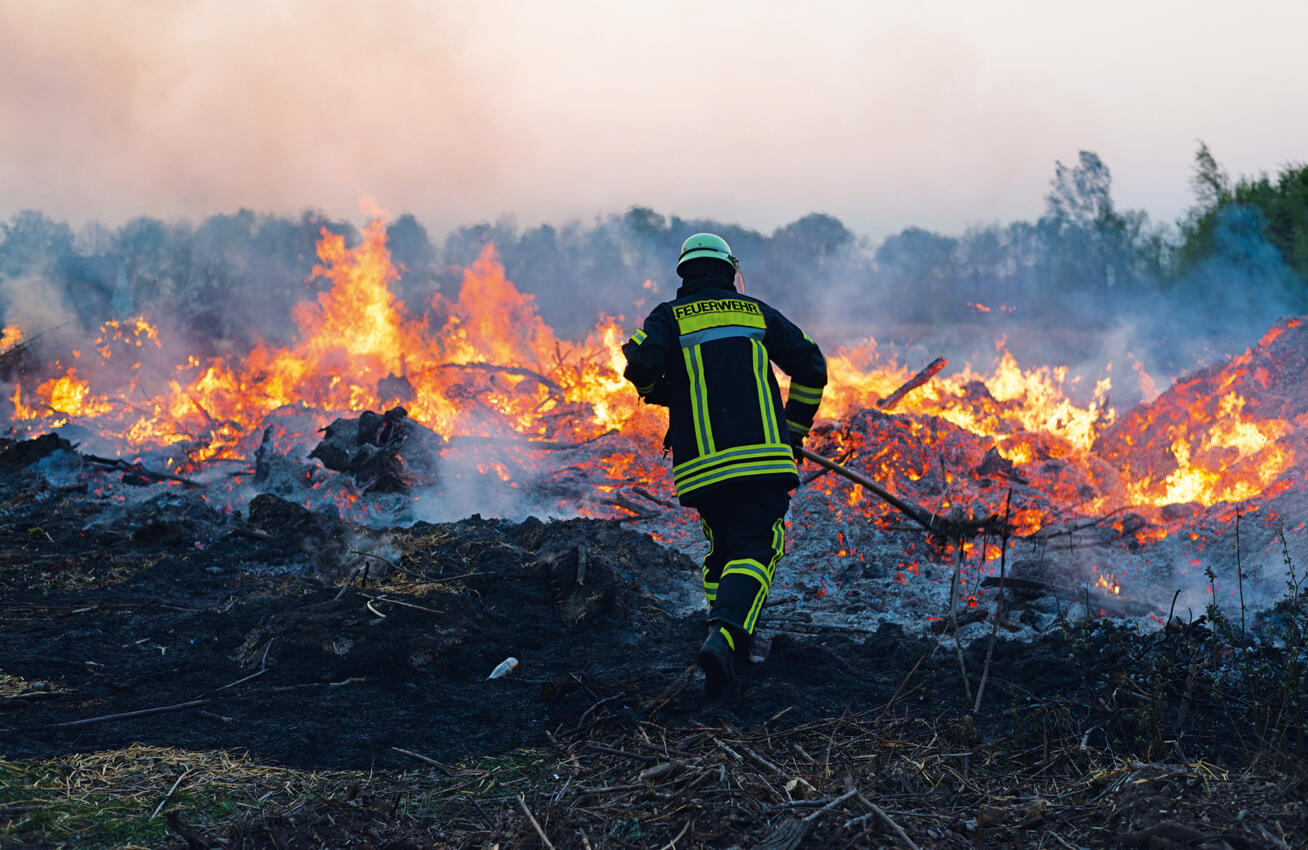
x=1238 y=258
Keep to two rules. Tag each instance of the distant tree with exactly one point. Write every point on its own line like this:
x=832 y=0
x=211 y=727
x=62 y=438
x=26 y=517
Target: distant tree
x=30 y=242
x=1081 y=195
x=815 y=238
x=412 y=252
x=93 y=238
x=644 y=223
x=1210 y=183
x=1282 y=204
x=1091 y=247
x=920 y=268
x=409 y=245
x=157 y=258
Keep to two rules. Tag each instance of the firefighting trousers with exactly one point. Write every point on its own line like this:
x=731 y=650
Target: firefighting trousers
x=745 y=526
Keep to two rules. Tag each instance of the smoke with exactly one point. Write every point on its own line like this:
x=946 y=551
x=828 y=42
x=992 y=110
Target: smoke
x=35 y=303
x=113 y=109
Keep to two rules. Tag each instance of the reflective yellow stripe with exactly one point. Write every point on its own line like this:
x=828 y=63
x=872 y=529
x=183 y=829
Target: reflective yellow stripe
x=768 y=412
x=731 y=642
x=735 y=454
x=778 y=549
x=758 y=572
x=726 y=332
x=772 y=467
x=751 y=619
x=805 y=395
x=638 y=337
x=699 y=410
x=747 y=567
x=778 y=545
x=646 y=389
x=738 y=318
x=796 y=427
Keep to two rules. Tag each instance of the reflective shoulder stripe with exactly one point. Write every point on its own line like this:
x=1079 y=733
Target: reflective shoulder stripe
x=807 y=395
x=639 y=336
x=728 y=332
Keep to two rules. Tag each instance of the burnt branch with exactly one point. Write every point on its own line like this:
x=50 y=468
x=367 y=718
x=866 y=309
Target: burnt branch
x=928 y=372
x=520 y=371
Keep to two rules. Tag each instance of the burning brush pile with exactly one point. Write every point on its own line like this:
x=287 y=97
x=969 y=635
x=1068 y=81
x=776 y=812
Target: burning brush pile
x=275 y=550
x=384 y=418
x=476 y=405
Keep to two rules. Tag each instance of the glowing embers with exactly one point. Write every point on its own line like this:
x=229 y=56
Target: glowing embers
x=1214 y=451
x=1106 y=581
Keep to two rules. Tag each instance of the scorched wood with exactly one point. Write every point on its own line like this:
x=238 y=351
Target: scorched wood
x=913 y=383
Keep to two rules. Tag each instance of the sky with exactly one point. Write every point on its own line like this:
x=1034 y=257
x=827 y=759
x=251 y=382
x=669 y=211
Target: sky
x=940 y=115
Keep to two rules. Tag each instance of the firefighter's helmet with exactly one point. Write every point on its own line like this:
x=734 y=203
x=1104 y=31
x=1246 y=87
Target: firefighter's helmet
x=706 y=245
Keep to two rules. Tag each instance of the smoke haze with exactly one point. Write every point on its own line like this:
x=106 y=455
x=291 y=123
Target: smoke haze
x=883 y=115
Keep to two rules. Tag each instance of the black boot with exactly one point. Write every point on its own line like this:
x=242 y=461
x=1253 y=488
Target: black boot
x=716 y=662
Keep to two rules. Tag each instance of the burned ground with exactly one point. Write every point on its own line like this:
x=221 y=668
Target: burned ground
x=319 y=648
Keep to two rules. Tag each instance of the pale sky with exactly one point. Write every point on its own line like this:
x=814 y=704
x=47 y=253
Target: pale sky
x=934 y=114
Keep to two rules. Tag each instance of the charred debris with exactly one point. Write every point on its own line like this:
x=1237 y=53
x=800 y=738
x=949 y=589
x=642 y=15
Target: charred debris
x=356 y=659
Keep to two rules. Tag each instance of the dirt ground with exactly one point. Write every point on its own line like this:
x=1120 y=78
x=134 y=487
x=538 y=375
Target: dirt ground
x=306 y=644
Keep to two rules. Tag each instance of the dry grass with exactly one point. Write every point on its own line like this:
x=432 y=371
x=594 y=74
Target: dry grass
x=112 y=799
x=850 y=781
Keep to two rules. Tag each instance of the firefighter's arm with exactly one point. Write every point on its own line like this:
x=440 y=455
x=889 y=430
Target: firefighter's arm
x=647 y=359
x=800 y=358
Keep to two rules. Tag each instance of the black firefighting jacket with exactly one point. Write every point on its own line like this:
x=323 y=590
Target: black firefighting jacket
x=705 y=356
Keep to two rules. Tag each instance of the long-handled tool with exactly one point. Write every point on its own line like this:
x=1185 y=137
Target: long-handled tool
x=933 y=523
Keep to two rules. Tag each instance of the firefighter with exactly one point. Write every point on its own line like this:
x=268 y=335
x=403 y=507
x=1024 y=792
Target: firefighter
x=706 y=355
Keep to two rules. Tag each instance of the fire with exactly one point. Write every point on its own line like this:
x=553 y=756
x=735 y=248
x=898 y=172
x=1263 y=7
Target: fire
x=132 y=334
x=64 y=397
x=1008 y=400
x=1106 y=581
x=484 y=363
